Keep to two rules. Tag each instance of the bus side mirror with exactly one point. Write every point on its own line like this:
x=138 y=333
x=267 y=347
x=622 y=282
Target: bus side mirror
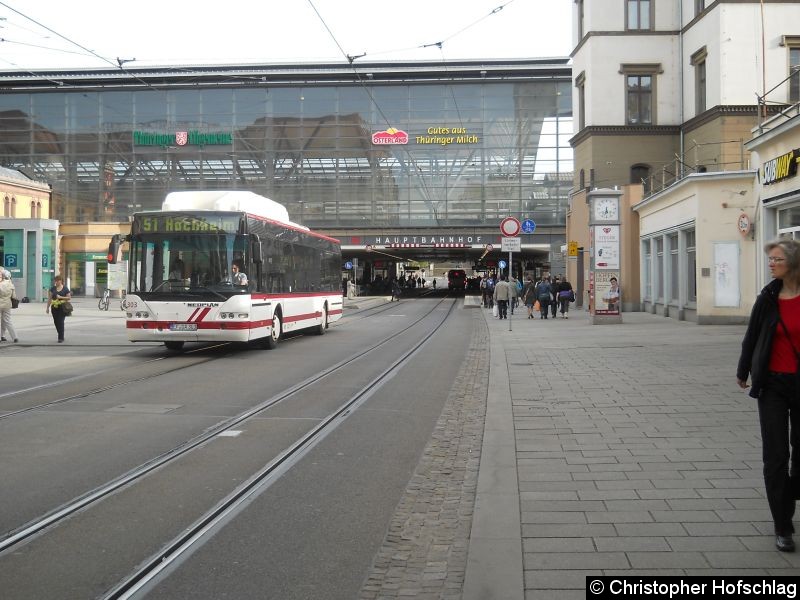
x=113 y=249
x=258 y=257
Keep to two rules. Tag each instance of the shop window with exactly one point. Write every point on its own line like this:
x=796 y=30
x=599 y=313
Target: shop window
x=647 y=271
x=658 y=271
x=691 y=266
x=674 y=280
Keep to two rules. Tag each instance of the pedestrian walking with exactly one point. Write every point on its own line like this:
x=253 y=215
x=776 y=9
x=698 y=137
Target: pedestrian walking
x=554 y=296
x=513 y=292
x=543 y=293
x=502 y=294
x=771 y=358
x=7 y=292
x=565 y=295
x=529 y=295
x=59 y=294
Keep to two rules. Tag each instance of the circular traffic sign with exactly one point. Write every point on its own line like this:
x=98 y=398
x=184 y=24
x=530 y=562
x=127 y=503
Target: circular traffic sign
x=348 y=265
x=502 y=264
x=509 y=227
x=528 y=226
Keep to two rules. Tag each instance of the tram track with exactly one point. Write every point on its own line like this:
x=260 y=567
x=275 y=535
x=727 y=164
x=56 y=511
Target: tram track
x=19 y=535
x=104 y=388
x=159 y=563
x=372 y=311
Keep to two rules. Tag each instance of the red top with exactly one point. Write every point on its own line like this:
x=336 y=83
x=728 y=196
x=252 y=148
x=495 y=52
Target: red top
x=783 y=358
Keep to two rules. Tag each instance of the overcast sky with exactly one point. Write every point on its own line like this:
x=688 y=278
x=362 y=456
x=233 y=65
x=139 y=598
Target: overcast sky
x=171 y=32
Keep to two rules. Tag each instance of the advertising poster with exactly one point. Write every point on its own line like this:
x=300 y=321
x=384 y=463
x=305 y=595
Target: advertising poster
x=607 y=292
x=606 y=247
x=726 y=274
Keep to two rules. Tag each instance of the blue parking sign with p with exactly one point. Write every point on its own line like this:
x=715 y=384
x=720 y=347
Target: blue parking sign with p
x=10 y=260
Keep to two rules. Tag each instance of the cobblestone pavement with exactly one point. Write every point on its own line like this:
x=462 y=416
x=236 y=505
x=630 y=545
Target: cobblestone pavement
x=424 y=554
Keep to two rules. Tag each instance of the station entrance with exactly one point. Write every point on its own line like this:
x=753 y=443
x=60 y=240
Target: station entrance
x=423 y=260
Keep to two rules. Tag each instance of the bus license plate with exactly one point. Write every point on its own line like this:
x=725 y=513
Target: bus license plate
x=183 y=326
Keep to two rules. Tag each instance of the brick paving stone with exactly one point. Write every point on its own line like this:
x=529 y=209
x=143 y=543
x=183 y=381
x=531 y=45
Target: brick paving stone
x=425 y=553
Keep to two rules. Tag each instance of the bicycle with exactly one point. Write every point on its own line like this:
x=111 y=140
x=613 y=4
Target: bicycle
x=105 y=300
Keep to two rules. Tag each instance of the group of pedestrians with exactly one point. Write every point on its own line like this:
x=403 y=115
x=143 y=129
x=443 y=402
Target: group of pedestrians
x=59 y=295
x=548 y=296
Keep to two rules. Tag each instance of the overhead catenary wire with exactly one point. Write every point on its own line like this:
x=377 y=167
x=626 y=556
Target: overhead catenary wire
x=417 y=169
x=84 y=48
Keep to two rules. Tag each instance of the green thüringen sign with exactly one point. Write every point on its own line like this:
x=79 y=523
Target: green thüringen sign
x=182 y=138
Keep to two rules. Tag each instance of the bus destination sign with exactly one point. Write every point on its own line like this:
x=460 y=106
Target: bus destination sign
x=187 y=224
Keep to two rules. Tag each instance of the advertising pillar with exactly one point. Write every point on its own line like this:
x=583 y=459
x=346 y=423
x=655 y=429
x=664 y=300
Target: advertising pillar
x=605 y=287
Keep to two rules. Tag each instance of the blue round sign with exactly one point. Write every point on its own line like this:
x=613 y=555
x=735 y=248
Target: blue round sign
x=348 y=265
x=502 y=264
x=528 y=226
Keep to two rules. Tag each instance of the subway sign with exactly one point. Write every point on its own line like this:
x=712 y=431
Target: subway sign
x=182 y=138
x=780 y=168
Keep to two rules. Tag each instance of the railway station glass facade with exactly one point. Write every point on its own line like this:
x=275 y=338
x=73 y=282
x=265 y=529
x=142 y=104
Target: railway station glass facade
x=475 y=152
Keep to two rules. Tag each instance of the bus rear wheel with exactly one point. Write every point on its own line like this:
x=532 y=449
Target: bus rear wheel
x=323 y=324
x=174 y=346
x=271 y=342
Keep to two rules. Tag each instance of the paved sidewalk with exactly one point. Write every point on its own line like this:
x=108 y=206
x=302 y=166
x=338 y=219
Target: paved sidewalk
x=616 y=449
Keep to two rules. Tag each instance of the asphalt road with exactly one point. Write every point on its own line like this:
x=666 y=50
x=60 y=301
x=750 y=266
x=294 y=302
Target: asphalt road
x=312 y=534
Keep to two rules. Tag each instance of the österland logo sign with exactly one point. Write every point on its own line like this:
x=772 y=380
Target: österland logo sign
x=390 y=136
x=182 y=138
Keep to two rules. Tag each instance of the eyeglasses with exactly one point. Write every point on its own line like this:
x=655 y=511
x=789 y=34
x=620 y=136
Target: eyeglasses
x=775 y=259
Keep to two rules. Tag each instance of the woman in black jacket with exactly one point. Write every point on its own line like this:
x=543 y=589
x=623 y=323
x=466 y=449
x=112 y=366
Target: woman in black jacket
x=770 y=358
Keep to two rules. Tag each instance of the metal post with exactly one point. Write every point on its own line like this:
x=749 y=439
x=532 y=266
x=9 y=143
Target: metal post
x=510 y=270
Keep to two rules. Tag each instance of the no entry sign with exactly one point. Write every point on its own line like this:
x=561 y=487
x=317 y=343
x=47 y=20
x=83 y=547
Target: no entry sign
x=510 y=227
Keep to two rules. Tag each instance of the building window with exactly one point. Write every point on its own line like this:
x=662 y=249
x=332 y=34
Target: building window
x=699 y=6
x=794 y=74
x=658 y=271
x=639 y=99
x=582 y=179
x=698 y=61
x=580 y=84
x=674 y=281
x=641 y=174
x=640 y=14
x=691 y=266
x=13 y=212
x=7 y=207
x=640 y=92
x=647 y=270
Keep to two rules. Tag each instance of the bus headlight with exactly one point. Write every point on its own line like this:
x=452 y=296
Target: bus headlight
x=242 y=315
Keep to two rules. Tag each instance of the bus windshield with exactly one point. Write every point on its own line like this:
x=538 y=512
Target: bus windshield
x=186 y=265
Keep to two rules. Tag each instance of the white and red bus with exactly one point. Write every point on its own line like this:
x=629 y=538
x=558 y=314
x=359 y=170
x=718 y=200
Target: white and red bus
x=228 y=266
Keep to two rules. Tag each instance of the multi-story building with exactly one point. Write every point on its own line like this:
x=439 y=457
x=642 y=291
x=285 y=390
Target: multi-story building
x=666 y=96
